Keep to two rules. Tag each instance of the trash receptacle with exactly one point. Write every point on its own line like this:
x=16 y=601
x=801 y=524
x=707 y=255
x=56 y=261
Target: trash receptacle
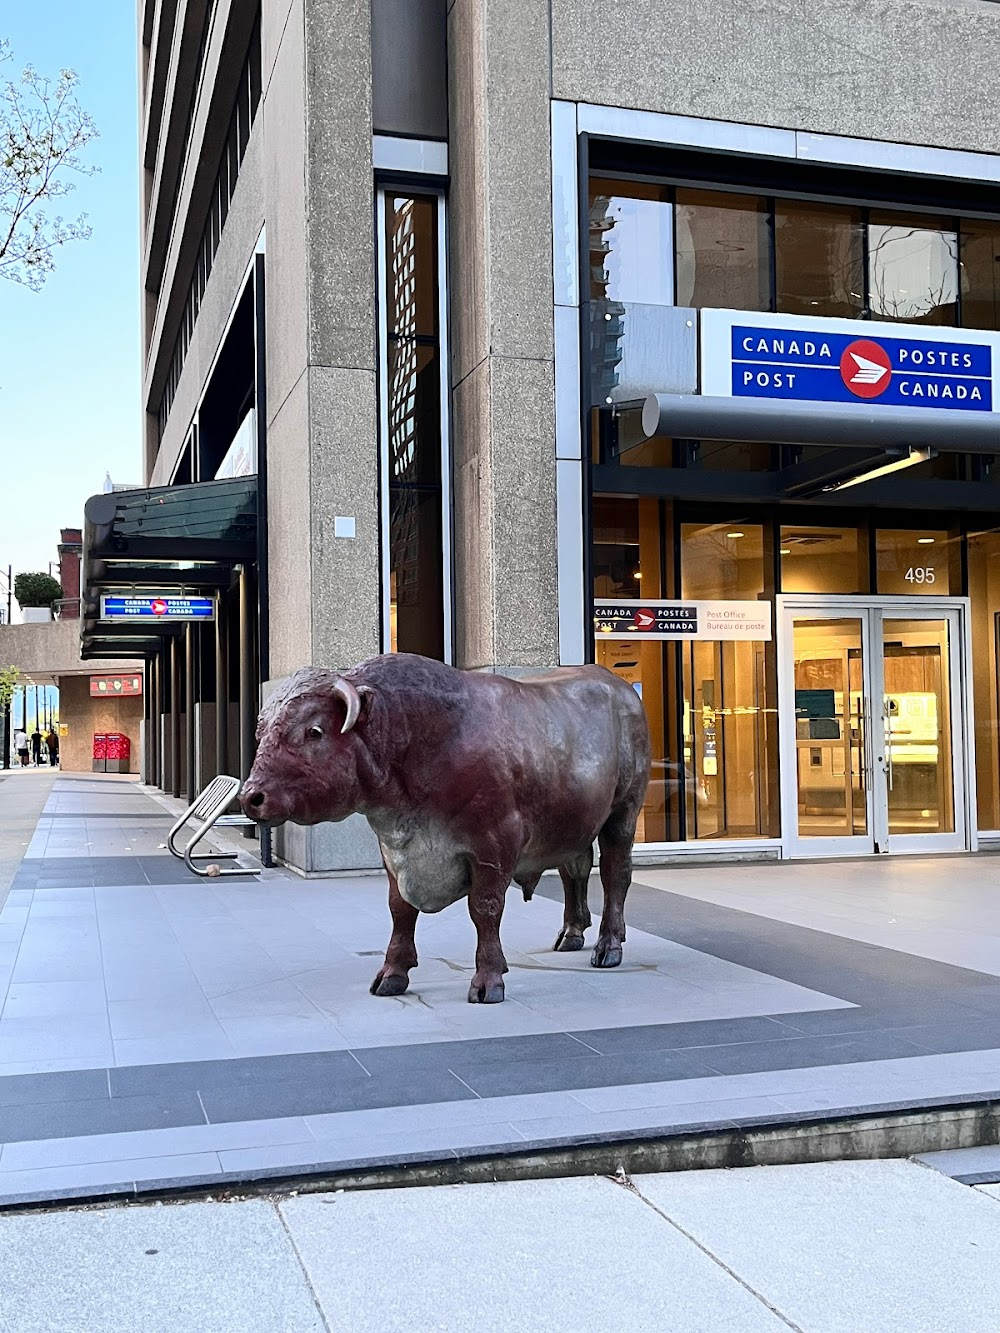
x=119 y=753
x=99 y=758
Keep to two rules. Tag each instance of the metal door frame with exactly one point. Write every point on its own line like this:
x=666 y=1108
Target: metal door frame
x=873 y=611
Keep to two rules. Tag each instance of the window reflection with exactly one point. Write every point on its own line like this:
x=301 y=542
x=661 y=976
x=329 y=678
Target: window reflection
x=980 y=249
x=631 y=242
x=819 y=259
x=416 y=559
x=722 y=250
x=912 y=269
x=822 y=559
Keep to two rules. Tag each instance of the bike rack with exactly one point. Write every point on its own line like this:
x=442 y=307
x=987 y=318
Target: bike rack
x=207 y=811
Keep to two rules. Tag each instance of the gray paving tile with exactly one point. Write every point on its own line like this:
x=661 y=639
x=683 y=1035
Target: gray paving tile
x=215 y=1269
x=962 y=1163
x=152 y=1143
x=167 y=1050
x=435 y=1115
x=804 y=1052
x=693 y=1116
x=681 y=1036
x=41 y=1089
x=888 y=1247
x=45 y=999
x=137 y=1018
x=448 y=1278
x=59 y=1120
x=589 y=1072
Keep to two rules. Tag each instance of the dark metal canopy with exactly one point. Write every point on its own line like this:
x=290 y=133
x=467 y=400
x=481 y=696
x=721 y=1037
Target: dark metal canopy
x=163 y=537
x=863 y=426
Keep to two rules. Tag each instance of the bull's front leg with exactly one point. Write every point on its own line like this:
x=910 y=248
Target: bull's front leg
x=486 y=899
x=394 y=975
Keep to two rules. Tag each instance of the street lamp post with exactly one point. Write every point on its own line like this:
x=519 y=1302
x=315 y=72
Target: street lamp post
x=6 y=707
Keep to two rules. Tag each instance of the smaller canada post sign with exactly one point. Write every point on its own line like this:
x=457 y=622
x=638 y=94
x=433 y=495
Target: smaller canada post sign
x=846 y=361
x=657 y=619
x=155 y=608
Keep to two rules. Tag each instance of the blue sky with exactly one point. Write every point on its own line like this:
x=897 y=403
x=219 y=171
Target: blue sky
x=69 y=355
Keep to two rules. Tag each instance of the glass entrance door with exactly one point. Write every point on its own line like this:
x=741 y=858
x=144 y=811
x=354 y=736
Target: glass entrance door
x=872 y=721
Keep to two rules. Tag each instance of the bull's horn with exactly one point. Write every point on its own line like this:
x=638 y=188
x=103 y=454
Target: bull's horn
x=343 y=689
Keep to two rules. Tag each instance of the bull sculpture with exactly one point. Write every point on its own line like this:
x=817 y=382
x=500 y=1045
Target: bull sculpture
x=469 y=781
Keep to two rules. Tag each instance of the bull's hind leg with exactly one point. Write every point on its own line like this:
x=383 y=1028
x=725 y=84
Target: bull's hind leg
x=576 y=914
x=615 y=841
x=394 y=975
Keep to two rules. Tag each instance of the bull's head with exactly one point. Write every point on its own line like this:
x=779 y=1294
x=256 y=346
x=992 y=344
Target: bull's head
x=310 y=742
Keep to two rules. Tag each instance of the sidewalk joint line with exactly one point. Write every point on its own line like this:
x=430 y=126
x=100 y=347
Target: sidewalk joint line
x=302 y=1265
x=625 y=1181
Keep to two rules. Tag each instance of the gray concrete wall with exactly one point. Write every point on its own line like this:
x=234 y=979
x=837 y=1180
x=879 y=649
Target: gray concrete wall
x=53 y=649
x=913 y=71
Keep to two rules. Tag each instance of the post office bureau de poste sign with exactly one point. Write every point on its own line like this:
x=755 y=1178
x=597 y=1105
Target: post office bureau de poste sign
x=623 y=618
x=846 y=361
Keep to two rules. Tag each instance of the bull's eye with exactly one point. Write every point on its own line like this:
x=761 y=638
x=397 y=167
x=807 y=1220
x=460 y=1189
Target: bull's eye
x=314 y=733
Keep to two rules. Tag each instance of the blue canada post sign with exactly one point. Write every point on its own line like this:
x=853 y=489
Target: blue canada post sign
x=122 y=606
x=846 y=361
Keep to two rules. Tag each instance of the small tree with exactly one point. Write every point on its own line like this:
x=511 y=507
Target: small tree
x=9 y=676
x=43 y=131
x=36 y=590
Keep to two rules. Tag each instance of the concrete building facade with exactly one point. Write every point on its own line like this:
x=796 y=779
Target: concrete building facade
x=419 y=265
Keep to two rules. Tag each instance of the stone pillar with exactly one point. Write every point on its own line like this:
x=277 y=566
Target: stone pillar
x=322 y=445
x=502 y=359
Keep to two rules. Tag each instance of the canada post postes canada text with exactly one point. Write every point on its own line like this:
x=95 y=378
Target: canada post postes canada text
x=850 y=368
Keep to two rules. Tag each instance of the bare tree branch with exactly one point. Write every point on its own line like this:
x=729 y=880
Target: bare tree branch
x=43 y=133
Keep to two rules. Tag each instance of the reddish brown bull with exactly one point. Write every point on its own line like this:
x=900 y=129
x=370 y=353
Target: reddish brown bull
x=469 y=781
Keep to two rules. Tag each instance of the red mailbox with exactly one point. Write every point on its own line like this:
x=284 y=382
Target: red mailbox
x=99 y=758
x=119 y=752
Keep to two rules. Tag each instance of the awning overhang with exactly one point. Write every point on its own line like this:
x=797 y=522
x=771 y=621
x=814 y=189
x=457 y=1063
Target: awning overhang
x=172 y=538
x=861 y=426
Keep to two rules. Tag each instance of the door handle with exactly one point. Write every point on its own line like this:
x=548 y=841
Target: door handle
x=887 y=761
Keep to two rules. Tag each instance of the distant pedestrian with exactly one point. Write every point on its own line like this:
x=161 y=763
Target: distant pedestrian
x=52 y=741
x=36 y=747
x=21 y=746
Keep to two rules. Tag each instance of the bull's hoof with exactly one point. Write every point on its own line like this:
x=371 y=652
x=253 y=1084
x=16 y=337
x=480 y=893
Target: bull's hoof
x=392 y=983
x=488 y=994
x=606 y=954
x=568 y=941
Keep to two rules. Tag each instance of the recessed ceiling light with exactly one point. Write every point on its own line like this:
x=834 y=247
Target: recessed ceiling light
x=784 y=551
x=925 y=541
x=637 y=574
x=733 y=535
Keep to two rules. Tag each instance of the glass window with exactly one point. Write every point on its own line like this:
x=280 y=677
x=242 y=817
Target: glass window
x=819 y=259
x=818 y=559
x=728 y=725
x=631 y=242
x=627 y=560
x=980 y=250
x=720 y=561
x=912 y=269
x=984 y=597
x=722 y=250
x=916 y=561
x=412 y=406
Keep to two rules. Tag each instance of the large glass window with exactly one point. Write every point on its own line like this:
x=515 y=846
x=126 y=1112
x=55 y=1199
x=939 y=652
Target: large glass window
x=823 y=559
x=819 y=259
x=984 y=598
x=912 y=269
x=723 y=244
x=631 y=242
x=917 y=561
x=412 y=421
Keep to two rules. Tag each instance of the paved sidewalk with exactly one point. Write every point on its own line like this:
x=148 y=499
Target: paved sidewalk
x=158 y=1030
x=23 y=794
x=846 y=1247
